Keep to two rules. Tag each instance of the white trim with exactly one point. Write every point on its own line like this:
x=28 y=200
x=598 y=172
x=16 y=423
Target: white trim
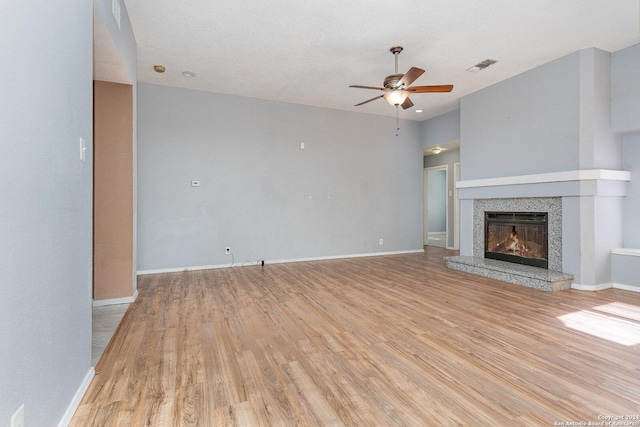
x=591 y=288
x=456 y=207
x=178 y=269
x=425 y=204
x=77 y=398
x=603 y=286
x=115 y=301
x=284 y=261
x=626 y=287
x=425 y=219
x=576 y=175
x=280 y=261
x=626 y=251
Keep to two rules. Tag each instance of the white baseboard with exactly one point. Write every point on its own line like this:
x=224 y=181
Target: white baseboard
x=178 y=269
x=114 y=301
x=626 y=287
x=591 y=288
x=626 y=251
x=284 y=261
x=602 y=286
x=280 y=261
x=77 y=398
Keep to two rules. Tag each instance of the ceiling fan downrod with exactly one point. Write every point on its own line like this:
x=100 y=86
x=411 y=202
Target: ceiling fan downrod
x=396 y=51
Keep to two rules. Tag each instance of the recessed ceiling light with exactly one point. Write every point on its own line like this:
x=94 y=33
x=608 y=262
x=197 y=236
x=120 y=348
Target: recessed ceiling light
x=418 y=111
x=159 y=68
x=189 y=74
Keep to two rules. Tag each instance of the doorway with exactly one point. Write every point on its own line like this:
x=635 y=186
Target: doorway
x=436 y=206
x=114 y=280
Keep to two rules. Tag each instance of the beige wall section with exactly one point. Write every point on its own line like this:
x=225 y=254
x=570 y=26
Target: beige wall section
x=113 y=191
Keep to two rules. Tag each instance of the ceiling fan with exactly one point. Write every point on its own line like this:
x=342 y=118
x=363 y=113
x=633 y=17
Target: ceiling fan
x=397 y=86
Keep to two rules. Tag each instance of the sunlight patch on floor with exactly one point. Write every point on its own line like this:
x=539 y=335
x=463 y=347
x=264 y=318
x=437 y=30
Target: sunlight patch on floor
x=621 y=325
x=621 y=309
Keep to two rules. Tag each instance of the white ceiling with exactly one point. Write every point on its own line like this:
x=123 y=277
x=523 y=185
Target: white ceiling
x=309 y=52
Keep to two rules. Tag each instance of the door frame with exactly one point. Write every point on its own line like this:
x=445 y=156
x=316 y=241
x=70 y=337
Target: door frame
x=425 y=203
x=456 y=207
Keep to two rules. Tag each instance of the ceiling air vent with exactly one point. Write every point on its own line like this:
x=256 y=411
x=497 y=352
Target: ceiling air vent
x=482 y=65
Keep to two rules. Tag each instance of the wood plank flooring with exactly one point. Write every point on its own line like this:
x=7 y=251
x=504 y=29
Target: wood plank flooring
x=380 y=341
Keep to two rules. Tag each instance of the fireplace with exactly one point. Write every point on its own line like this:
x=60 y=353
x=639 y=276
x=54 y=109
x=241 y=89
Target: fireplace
x=519 y=237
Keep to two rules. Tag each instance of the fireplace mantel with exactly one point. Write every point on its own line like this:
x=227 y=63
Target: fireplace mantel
x=542 y=178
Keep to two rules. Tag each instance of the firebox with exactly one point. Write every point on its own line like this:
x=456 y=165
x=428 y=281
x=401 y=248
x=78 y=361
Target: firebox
x=519 y=237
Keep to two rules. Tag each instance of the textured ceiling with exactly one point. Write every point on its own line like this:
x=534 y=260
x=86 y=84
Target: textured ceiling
x=309 y=52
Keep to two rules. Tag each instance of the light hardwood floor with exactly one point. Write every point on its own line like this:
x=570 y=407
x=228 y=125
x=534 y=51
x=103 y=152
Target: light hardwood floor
x=379 y=341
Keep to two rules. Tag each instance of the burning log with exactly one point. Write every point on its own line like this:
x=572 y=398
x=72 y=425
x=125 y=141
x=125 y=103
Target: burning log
x=512 y=245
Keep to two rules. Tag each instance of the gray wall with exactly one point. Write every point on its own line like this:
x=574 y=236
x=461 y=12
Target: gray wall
x=45 y=220
x=625 y=90
x=625 y=117
x=441 y=129
x=524 y=125
x=631 y=203
x=353 y=184
x=600 y=146
x=553 y=118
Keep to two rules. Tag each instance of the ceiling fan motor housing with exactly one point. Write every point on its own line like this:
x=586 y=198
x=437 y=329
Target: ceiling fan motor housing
x=391 y=81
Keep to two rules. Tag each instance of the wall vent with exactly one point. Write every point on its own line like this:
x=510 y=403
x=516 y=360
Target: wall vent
x=482 y=65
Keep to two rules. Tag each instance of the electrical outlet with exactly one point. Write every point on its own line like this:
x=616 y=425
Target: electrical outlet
x=381 y=242
x=227 y=250
x=17 y=419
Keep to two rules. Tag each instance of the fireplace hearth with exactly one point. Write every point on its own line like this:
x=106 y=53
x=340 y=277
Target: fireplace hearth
x=550 y=278
x=518 y=237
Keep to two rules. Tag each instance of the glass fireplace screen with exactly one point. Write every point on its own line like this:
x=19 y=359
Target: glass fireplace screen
x=520 y=237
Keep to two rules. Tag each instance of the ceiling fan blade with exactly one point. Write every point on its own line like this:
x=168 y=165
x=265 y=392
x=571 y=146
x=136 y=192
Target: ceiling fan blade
x=368 y=87
x=429 y=89
x=407 y=104
x=410 y=77
x=369 y=100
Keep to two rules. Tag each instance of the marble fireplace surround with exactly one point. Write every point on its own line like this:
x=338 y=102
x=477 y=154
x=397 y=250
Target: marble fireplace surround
x=551 y=205
x=580 y=240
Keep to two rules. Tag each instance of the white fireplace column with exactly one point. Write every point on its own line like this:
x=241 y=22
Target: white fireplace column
x=593 y=228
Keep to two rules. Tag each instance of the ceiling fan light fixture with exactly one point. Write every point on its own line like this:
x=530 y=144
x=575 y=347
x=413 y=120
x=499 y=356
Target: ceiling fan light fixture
x=396 y=97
